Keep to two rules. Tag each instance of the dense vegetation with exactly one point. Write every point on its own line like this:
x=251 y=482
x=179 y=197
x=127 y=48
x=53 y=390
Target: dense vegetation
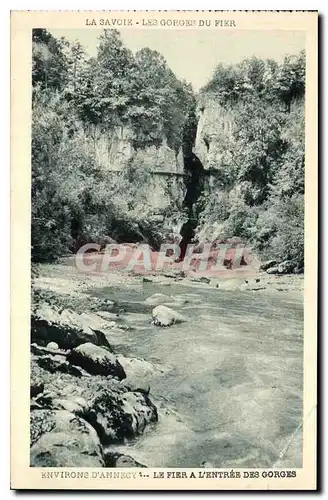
x=259 y=187
x=74 y=201
x=259 y=192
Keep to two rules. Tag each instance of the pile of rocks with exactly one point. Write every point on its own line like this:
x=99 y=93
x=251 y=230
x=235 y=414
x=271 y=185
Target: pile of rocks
x=81 y=398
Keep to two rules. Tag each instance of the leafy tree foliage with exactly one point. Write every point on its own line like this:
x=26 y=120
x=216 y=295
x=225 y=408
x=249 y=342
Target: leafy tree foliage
x=259 y=188
x=261 y=78
x=117 y=88
x=49 y=63
x=74 y=201
x=259 y=191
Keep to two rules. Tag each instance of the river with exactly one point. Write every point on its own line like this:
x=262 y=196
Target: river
x=228 y=382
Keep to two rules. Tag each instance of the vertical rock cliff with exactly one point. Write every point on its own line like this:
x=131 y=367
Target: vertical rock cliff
x=214 y=134
x=155 y=174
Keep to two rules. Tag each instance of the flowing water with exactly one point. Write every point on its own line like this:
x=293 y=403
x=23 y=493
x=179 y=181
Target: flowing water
x=228 y=383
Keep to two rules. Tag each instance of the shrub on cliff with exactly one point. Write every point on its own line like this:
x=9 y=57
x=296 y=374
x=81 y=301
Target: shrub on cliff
x=280 y=229
x=69 y=194
x=137 y=91
x=73 y=201
x=257 y=77
x=258 y=192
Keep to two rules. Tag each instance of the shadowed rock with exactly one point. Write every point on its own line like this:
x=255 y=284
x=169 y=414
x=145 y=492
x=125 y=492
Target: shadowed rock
x=96 y=360
x=59 y=363
x=38 y=350
x=65 y=328
x=117 y=415
x=37 y=387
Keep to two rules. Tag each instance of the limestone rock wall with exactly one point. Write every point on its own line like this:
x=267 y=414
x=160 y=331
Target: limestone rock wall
x=157 y=172
x=214 y=134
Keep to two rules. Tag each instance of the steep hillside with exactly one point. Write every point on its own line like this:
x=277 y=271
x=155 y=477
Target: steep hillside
x=123 y=150
x=108 y=142
x=250 y=139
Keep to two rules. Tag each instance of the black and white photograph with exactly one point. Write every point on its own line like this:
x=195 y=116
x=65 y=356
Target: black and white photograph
x=167 y=241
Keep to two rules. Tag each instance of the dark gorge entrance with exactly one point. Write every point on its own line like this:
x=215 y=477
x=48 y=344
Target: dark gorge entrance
x=194 y=187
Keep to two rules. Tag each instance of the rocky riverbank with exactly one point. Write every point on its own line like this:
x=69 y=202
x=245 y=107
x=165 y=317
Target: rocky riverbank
x=88 y=399
x=83 y=396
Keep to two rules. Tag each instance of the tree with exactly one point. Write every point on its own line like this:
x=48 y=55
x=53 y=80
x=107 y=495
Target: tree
x=73 y=200
x=76 y=68
x=290 y=82
x=258 y=193
x=49 y=63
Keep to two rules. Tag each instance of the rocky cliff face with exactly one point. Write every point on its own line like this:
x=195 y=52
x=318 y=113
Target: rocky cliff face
x=116 y=150
x=162 y=179
x=157 y=171
x=214 y=134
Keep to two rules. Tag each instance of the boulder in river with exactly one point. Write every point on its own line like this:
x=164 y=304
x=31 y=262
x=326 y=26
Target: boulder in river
x=147 y=280
x=165 y=316
x=61 y=439
x=98 y=325
x=202 y=279
x=136 y=367
x=110 y=317
x=139 y=373
x=96 y=360
x=207 y=465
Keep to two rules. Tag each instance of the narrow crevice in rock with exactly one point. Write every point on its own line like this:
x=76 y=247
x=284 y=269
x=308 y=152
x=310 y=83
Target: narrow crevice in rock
x=194 y=183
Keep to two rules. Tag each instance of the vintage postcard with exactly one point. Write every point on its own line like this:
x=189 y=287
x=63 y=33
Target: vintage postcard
x=164 y=250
